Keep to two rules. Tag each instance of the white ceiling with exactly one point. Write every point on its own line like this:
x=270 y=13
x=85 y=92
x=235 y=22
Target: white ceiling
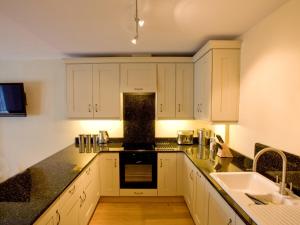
x=61 y=28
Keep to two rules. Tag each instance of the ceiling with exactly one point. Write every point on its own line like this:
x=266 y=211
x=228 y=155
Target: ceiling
x=64 y=28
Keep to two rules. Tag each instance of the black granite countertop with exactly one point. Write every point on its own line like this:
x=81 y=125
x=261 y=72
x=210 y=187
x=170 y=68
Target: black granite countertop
x=40 y=185
x=24 y=197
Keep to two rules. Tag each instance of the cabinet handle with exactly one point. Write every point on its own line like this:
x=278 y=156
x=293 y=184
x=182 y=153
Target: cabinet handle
x=198 y=108
x=191 y=175
x=138 y=193
x=178 y=107
x=84 y=196
x=160 y=107
x=161 y=165
x=229 y=222
x=115 y=163
x=81 y=201
x=96 y=107
x=138 y=89
x=88 y=171
x=72 y=190
x=90 y=108
x=58 y=214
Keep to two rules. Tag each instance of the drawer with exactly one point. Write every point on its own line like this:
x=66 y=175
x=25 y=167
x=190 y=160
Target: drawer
x=138 y=192
x=70 y=196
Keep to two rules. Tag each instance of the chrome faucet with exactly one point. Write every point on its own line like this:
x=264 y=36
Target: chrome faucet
x=282 y=190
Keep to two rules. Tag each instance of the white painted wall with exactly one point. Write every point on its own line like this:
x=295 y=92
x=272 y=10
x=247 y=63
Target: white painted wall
x=270 y=83
x=46 y=130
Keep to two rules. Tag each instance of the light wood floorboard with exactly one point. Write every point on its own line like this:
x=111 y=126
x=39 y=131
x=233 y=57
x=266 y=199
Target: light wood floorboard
x=115 y=212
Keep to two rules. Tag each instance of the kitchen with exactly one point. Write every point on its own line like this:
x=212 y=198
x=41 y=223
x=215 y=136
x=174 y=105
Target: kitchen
x=31 y=53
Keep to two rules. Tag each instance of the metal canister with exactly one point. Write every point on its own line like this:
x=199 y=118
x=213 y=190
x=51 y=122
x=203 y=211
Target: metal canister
x=201 y=136
x=88 y=148
x=81 y=143
x=95 y=143
x=207 y=136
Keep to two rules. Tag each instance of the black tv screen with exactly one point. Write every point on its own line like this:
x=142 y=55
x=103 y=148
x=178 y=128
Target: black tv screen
x=12 y=99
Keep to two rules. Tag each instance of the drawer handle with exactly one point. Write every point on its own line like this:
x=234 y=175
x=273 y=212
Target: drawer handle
x=138 y=89
x=72 y=190
x=96 y=107
x=138 y=193
x=58 y=215
x=191 y=175
x=115 y=163
x=88 y=171
x=161 y=163
x=229 y=222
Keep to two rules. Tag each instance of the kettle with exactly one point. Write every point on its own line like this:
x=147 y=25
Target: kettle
x=103 y=137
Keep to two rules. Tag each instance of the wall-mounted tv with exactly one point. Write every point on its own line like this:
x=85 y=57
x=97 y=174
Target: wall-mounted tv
x=12 y=100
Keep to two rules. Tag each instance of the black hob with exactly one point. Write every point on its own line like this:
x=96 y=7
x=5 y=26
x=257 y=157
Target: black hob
x=139 y=146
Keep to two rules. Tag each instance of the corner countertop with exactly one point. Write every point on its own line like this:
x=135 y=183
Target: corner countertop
x=24 y=197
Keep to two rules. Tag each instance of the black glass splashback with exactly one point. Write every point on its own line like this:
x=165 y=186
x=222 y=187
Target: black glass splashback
x=139 y=118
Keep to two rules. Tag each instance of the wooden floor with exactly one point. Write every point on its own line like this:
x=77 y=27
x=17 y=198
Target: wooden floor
x=141 y=211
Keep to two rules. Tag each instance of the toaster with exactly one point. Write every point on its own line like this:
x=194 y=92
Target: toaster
x=185 y=137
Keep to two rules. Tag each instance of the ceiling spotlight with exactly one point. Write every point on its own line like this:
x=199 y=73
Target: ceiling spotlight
x=134 y=40
x=138 y=23
x=141 y=23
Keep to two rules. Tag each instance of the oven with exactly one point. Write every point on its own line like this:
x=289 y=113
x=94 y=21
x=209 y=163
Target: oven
x=138 y=170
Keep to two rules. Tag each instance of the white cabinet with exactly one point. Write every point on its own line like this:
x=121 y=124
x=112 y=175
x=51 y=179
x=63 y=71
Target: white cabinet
x=189 y=176
x=138 y=77
x=79 y=90
x=202 y=85
x=219 y=212
x=217 y=72
x=109 y=174
x=167 y=182
x=52 y=216
x=200 y=200
x=175 y=91
x=166 y=98
x=184 y=90
x=106 y=91
x=93 y=91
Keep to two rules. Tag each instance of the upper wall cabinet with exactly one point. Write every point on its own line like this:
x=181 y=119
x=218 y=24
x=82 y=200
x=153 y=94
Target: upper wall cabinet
x=184 y=90
x=175 y=91
x=106 y=90
x=93 y=91
x=216 y=86
x=166 y=83
x=138 y=77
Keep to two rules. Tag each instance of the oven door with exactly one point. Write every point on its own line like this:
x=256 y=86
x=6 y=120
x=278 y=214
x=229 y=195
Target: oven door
x=138 y=170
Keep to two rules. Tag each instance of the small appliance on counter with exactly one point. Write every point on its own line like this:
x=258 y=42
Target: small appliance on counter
x=103 y=137
x=185 y=137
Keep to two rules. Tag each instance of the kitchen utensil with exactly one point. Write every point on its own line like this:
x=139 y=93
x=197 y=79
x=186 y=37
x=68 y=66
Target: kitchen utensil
x=185 y=137
x=95 y=143
x=103 y=137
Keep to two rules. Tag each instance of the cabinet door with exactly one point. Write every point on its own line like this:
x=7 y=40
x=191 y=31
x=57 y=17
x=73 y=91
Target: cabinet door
x=197 y=89
x=166 y=91
x=138 y=77
x=87 y=205
x=204 y=68
x=79 y=91
x=167 y=182
x=106 y=91
x=52 y=216
x=109 y=174
x=219 y=212
x=200 y=200
x=189 y=186
x=184 y=90
x=225 y=84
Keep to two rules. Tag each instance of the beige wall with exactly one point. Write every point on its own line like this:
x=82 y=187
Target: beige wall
x=46 y=130
x=270 y=83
